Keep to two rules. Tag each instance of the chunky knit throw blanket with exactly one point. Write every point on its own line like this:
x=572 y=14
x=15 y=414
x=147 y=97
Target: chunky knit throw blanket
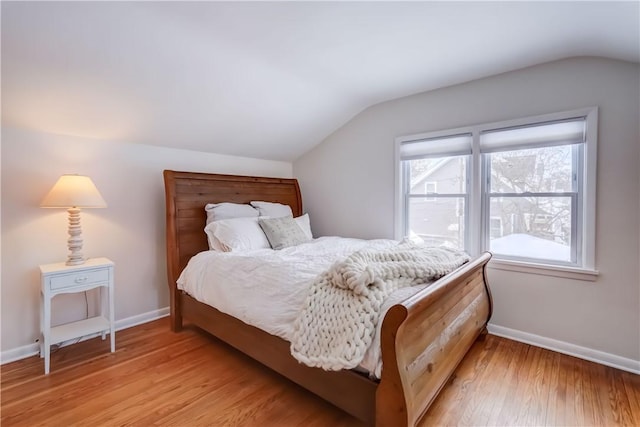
x=338 y=322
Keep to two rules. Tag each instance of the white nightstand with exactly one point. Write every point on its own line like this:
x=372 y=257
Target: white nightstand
x=60 y=278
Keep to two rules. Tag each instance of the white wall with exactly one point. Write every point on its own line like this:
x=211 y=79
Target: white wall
x=348 y=189
x=130 y=230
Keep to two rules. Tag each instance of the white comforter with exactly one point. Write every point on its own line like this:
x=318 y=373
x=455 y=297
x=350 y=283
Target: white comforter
x=267 y=288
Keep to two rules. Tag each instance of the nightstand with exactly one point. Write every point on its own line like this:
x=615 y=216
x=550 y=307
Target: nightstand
x=59 y=279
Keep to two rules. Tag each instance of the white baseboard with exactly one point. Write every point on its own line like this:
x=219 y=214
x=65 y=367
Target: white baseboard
x=585 y=353
x=139 y=319
x=33 y=349
x=19 y=353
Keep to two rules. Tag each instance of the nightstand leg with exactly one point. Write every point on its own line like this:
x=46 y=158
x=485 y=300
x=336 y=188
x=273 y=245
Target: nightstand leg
x=46 y=333
x=102 y=291
x=112 y=323
x=41 y=340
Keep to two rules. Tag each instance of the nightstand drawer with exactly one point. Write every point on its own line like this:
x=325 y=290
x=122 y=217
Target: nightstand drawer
x=79 y=279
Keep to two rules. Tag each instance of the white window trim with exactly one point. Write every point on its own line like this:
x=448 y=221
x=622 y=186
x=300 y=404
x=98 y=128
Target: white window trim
x=587 y=270
x=545 y=269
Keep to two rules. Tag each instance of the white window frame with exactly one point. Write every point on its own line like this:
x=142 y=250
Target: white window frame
x=432 y=197
x=576 y=209
x=478 y=222
x=402 y=184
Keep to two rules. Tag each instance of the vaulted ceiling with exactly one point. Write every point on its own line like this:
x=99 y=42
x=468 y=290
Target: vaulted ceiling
x=270 y=79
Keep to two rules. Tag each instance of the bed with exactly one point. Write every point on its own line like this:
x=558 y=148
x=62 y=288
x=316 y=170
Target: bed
x=422 y=339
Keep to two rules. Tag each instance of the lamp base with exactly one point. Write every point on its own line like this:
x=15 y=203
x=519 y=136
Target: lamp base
x=75 y=238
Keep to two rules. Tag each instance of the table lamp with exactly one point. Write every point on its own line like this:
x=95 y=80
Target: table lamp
x=74 y=192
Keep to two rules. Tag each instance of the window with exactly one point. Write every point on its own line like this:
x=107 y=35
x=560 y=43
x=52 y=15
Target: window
x=523 y=189
x=532 y=182
x=436 y=167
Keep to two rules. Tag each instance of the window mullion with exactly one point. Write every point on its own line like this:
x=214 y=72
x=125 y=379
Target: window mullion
x=475 y=194
x=406 y=181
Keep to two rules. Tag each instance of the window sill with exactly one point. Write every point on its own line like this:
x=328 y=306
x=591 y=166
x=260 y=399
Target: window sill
x=545 y=270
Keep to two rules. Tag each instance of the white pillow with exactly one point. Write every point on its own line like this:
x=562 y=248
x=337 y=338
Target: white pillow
x=214 y=243
x=236 y=234
x=305 y=223
x=272 y=210
x=220 y=211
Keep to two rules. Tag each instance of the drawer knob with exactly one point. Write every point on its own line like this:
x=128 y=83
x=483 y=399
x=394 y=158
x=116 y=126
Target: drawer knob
x=81 y=279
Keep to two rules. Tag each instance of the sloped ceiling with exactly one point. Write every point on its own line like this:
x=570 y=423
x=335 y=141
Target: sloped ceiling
x=270 y=79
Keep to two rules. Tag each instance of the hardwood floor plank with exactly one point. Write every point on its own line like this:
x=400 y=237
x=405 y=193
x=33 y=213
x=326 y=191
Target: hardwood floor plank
x=157 y=377
x=558 y=391
x=477 y=386
x=631 y=384
x=618 y=399
x=507 y=358
x=577 y=392
x=518 y=400
x=451 y=398
x=538 y=391
x=601 y=395
x=557 y=410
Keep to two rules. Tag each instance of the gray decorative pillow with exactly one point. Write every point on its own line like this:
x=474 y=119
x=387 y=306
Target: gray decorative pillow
x=282 y=232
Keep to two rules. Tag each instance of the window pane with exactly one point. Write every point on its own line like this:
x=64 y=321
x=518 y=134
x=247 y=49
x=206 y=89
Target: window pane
x=531 y=227
x=539 y=170
x=445 y=175
x=438 y=220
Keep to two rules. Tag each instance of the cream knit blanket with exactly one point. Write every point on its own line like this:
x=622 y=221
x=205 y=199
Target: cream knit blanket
x=338 y=322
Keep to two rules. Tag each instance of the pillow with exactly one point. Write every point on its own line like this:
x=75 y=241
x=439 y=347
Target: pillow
x=283 y=232
x=305 y=224
x=272 y=210
x=214 y=243
x=236 y=234
x=220 y=211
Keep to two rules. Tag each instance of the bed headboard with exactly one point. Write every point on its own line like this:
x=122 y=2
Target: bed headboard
x=186 y=195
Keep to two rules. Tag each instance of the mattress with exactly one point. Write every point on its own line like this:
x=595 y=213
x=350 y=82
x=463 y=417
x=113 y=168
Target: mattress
x=267 y=289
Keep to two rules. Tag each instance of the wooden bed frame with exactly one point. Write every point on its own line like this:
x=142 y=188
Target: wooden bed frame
x=423 y=338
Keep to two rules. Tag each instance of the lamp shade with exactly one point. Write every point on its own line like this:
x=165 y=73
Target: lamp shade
x=74 y=191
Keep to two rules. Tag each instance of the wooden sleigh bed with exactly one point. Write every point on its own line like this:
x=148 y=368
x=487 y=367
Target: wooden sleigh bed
x=423 y=339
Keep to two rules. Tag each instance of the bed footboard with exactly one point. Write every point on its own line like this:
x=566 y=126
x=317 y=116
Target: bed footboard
x=425 y=337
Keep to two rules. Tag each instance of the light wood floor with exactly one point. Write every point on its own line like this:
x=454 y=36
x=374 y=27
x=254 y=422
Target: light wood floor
x=157 y=377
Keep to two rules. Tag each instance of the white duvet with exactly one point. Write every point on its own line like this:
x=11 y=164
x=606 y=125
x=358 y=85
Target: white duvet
x=267 y=289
